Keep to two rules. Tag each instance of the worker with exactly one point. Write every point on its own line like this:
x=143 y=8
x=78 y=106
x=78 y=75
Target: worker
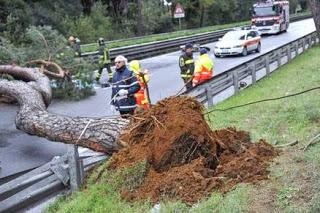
x=186 y=64
x=203 y=68
x=143 y=78
x=75 y=45
x=124 y=86
x=104 y=61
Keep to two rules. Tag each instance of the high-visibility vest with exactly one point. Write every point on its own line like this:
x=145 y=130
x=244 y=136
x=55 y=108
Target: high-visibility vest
x=141 y=96
x=203 y=70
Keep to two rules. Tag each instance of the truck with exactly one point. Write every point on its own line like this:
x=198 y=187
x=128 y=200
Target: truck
x=270 y=16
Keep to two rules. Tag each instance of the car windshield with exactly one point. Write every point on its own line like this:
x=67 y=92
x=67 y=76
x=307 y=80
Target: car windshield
x=264 y=11
x=234 y=35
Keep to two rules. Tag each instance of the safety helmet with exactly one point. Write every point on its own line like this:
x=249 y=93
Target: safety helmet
x=188 y=46
x=134 y=66
x=203 y=50
x=71 y=39
x=101 y=41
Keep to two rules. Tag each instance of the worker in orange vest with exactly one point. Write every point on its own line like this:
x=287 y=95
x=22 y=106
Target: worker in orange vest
x=203 y=69
x=143 y=78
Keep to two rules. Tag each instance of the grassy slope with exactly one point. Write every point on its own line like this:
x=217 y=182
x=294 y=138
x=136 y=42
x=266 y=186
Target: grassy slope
x=294 y=180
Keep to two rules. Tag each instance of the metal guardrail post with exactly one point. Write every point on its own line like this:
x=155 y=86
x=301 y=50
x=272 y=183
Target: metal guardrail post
x=253 y=72
x=75 y=168
x=267 y=60
x=296 y=48
x=235 y=81
x=289 y=53
x=209 y=95
x=279 y=58
x=303 y=44
x=306 y=42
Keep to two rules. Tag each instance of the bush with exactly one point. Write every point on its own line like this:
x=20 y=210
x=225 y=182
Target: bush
x=14 y=19
x=90 y=28
x=48 y=44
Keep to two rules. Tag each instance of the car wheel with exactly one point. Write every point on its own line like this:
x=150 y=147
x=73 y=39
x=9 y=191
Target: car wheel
x=244 y=51
x=217 y=56
x=258 y=48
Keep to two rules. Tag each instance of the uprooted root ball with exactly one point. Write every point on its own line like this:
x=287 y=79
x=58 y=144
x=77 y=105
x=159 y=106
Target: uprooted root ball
x=186 y=159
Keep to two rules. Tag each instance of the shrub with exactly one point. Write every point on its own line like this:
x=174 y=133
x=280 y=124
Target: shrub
x=48 y=44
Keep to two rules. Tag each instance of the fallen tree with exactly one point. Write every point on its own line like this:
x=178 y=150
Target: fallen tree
x=31 y=89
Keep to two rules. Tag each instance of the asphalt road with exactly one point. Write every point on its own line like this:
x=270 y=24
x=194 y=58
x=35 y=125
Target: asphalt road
x=19 y=151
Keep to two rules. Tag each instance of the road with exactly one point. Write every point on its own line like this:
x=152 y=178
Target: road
x=19 y=151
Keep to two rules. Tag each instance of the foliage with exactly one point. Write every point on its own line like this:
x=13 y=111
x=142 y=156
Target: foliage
x=156 y=19
x=48 y=44
x=90 y=28
x=14 y=19
x=89 y=20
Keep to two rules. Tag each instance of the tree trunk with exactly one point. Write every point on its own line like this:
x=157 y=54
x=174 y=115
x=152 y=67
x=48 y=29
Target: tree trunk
x=202 y=16
x=87 y=4
x=139 y=18
x=33 y=93
x=315 y=9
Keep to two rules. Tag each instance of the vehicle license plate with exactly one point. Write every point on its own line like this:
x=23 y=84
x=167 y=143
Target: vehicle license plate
x=224 y=51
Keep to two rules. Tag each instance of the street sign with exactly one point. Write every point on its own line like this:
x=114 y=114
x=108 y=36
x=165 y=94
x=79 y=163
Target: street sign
x=179 y=11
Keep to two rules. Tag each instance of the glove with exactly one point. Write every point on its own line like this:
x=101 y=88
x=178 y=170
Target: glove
x=123 y=92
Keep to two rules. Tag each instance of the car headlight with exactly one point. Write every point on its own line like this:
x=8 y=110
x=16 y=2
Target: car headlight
x=237 y=46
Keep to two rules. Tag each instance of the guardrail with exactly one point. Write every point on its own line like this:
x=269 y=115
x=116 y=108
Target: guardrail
x=160 y=47
x=60 y=173
x=227 y=84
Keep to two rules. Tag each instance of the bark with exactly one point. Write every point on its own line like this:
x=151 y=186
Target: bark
x=47 y=66
x=87 y=4
x=315 y=10
x=120 y=7
x=139 y=18
x=32 y=92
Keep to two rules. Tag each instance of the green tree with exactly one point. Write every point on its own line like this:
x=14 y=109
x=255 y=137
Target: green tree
x=90 y=27
x=14 y=19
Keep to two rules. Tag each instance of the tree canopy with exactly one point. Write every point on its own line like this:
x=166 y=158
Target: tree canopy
x=116 y=19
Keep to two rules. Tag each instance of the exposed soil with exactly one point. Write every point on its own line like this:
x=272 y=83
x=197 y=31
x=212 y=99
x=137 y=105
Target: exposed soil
x=186 y=159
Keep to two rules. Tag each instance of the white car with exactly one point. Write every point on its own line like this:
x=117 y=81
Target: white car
x=238 y=42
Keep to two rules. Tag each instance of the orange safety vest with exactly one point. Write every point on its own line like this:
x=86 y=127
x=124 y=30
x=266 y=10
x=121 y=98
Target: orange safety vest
x=141 y=96
x=203 y=70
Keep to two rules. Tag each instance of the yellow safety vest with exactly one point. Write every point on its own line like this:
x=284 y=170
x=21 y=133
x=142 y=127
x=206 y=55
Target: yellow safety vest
x=204 y=63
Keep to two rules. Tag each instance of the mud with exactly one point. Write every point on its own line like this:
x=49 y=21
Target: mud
x=187 y=160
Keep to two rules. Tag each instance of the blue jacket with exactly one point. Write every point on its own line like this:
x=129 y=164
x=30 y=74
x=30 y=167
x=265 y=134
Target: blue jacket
x=124 y=79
